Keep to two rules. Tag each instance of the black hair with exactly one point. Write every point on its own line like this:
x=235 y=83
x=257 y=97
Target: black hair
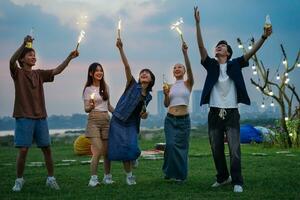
x=229 y=49
x=151 y=84
x=103 y=89
x=23 y=54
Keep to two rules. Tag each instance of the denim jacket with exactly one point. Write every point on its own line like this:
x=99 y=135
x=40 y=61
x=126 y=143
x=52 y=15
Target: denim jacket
x=129 y=100
x=234 y=71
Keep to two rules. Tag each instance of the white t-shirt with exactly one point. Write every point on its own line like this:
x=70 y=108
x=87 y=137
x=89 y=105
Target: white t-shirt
x=223 y=94
x=90 y=91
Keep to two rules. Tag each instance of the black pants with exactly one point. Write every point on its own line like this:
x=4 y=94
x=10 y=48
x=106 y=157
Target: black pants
x=230 y=126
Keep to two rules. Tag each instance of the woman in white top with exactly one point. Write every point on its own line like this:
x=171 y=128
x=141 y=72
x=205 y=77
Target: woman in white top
x=177 y=122
x=97 y=104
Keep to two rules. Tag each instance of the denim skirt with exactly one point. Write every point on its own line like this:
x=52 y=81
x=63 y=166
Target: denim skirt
x=177 y=133
x=123 y=140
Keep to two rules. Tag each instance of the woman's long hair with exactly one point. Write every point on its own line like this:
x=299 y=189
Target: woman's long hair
x=103 y=88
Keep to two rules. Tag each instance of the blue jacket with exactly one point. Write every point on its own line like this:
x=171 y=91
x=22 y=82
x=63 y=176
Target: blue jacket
x=234 y=71
x=129 y=100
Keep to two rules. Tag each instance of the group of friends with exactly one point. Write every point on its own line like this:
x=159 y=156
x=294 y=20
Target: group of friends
x=116 y=137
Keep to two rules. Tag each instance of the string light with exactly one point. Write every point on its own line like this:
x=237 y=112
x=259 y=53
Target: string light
x=287 y=81
x=272 y=104
x=250 y=47
x=277 y=77
x=286 y=118
x=262 y=105
x=257 y=87
x=254 y=72
x=240 y=46
x=253 y=66
x=271 y=93
x=284 y=61
x=298 y=64
x=286 y=74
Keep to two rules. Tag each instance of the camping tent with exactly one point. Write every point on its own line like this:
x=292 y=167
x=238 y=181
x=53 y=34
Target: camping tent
x=250 y=134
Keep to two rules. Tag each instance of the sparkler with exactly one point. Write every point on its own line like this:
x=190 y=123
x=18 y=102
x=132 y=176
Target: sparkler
x=119 y=28
x=82 y=34
x=176 y=26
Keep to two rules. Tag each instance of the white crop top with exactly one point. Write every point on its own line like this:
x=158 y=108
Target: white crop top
x=179 y=94
x=90 y=91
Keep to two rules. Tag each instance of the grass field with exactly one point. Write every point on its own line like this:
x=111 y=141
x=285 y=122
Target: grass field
x=273 y=176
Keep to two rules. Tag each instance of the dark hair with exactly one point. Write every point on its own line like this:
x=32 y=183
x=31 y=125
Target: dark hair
x=103 y=89
x=23 y=54
x=229 y=49
x=151 y=84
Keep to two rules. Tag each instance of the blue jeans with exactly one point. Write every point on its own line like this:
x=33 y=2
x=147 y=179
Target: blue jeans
x=28 y=130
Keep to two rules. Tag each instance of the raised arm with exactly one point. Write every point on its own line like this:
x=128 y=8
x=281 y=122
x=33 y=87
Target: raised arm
x=17 y=54
x=258 y=44
x=190 y=78
x=119 y=44
x=65 y=63
x=202 y=49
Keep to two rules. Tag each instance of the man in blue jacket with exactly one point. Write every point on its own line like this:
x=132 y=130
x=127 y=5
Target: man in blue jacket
x=224 y=88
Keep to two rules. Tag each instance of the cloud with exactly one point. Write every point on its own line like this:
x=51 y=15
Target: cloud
x=70 y=11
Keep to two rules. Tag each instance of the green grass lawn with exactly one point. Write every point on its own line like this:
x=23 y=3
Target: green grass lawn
x=274 y=176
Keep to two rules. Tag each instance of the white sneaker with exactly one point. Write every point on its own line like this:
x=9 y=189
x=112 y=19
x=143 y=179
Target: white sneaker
x=107 y=179
x=135 y=163
x=237 y=188
x=19 y=182
x=217 y=184
x=130 y=180
x=51 y=183
x=93 y=182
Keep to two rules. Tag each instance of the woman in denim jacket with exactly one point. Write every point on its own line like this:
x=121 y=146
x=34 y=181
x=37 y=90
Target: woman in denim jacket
x=125 y=122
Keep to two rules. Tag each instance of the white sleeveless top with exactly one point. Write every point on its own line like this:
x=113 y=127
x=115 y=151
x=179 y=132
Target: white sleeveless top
x=100 y=105
x=179 y=94
x=223 y=94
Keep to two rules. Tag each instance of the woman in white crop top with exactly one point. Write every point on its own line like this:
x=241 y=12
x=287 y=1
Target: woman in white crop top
x=97 y=104
x=177 y=122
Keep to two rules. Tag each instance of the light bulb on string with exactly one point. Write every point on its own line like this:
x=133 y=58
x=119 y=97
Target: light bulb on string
x=277 y=77
x=287 y=81
x=286 y=118
x=257 y=87
x=286 y=74
x=250 y=47
x=272 y=104
x=271 y=93
x=298 y=64
x=240 y=46
x=254 y=72
x=284 y=61
x=253 y=67
x=262 y=105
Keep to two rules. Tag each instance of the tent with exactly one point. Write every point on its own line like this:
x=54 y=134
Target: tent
x=250 y=134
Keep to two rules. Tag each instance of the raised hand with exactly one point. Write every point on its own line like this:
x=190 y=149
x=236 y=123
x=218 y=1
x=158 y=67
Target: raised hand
x=184 y=47
x=73 y=54
x=267 y=31
x=28 y=38
x=196 y=14
x=119 y=43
